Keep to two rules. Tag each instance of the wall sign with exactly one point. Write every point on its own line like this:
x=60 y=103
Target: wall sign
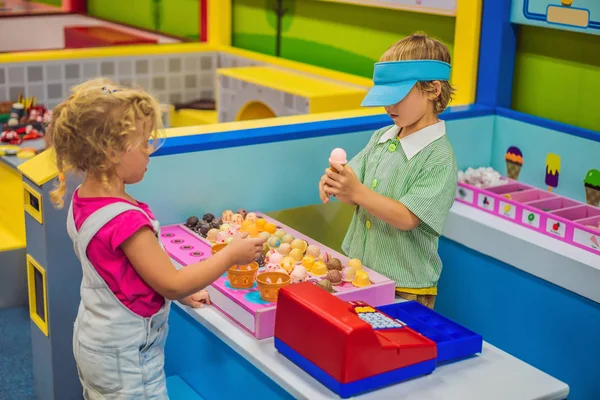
x=572 y=15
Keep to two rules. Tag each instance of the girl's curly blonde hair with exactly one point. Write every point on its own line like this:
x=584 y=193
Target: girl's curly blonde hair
x=420 y=46
x=95 y=126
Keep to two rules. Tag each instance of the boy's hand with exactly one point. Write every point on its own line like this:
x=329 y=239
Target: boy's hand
x=196 y=300
x=322 y=194
x=344 y=185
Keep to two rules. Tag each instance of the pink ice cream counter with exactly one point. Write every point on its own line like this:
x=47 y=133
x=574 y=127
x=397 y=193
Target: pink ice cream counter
x=244 y=306
x=556 y=216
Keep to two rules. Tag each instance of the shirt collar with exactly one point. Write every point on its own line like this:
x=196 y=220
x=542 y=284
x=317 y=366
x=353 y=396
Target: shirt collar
x=415 y=142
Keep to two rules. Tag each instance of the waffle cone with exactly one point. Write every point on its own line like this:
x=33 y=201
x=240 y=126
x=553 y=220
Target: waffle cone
x=592 y=196
x=513 y=169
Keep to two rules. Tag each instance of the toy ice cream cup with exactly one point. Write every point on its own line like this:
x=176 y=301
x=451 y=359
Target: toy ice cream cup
x=242 y=276
x=218 y=247
x=269 y=284
x=361 y=279
x=319 y=268
x=338 y=156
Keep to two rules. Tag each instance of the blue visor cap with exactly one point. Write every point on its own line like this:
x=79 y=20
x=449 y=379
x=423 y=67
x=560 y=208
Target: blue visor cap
x=394 y=79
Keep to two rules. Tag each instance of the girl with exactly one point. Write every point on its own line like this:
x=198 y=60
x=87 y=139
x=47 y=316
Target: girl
x=128 y=279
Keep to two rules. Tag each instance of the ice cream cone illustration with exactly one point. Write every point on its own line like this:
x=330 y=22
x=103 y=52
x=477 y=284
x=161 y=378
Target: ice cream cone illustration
x=592 y=187
x=566 y=3
x=552 y=170
x=514 y=162
x=338 y=156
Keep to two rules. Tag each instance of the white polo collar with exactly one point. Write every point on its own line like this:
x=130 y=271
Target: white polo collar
x=415 y=142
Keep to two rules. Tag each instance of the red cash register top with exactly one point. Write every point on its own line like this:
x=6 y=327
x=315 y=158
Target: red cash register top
x=328 y=332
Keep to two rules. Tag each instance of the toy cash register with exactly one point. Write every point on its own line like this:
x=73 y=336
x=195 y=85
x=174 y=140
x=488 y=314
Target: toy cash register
x=349 y=347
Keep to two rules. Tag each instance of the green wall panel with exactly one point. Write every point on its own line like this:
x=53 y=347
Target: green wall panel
x=557 y=76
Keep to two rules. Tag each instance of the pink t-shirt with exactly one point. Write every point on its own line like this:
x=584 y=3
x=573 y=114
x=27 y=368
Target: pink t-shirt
x=109 y=260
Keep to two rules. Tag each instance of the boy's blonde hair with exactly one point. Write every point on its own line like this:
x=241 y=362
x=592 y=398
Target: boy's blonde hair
x=420 y=46
x=96 y=125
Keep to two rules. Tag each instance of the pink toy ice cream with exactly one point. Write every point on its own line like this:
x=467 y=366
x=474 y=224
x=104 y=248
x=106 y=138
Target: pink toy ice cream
x=299 y=274
x=338 y=156
x=348 y=274
x=222 y=237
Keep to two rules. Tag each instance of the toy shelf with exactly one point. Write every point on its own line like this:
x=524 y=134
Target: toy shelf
x=548 y=213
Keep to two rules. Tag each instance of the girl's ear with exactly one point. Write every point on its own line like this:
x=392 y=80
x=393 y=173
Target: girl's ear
x=438 y=90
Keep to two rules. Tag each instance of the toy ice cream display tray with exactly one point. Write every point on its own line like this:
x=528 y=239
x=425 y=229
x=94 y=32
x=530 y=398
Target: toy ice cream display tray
x=361 y=347
x=559 y=217
x=246 y=305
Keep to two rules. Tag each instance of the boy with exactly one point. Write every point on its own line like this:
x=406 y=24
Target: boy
x=404 y=181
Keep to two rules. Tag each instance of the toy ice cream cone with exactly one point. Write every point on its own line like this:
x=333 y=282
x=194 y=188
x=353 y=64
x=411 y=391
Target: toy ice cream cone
x=514 y=162
x=552 y=170
x=337 y=156
x=592 y=187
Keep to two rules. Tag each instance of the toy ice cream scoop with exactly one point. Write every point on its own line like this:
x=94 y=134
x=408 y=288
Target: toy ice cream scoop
x=287 y=239
x=514 y=162
x=319 y=269
x=308 y=262
x=280 y=233
x=300 y=245
x=326 y=285
x=348 y=274
x=288 y=264
x=335 y=277
x=313 y=251
x=356 y=264
x=299 y=274
x=227 y=216
x=361 y=279
x=271 y=228
x=222 y=236
x=324 y=257
x=212 y=235
x=252 y=217
x=337 y=156
x=274 y=242
x=296 y=254
x=284 y=249
x=237 y=219
x=592 y=187
x=334 y=264
x=552 y=170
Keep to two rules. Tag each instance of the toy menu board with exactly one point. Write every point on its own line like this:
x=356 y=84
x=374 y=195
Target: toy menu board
x=573 y=15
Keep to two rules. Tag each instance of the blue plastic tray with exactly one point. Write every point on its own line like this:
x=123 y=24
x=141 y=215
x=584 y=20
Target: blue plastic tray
x=453 y=341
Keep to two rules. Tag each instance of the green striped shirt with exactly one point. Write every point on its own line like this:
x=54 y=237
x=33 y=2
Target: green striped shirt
x=419 y=171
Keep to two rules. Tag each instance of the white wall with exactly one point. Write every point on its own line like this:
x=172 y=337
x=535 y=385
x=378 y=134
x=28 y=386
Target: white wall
x=46 y=32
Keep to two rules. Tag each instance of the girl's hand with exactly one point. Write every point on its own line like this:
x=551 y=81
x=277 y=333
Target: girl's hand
x=344 y=185
x=244 y=250
x=322 y=194
x=197 y=300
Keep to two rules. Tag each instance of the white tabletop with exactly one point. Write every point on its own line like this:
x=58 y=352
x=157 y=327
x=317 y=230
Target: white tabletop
x=492 y=375
x=553 y=260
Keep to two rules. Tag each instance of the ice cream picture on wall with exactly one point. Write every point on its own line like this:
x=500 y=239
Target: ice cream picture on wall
x=592 y=187
x=514 y=162
x=552 y=170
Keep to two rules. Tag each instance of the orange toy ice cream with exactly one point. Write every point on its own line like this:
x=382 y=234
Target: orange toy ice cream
x=337 y=156
x=514 y=162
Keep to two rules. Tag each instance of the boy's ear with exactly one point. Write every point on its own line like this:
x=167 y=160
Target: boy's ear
x=438 y=90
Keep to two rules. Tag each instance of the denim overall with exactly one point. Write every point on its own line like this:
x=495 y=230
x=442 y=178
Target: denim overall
x=119 y=354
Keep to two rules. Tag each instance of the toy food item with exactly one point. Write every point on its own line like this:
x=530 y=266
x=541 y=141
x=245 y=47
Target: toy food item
x=225 y=227
x=260 y=260
x=274 y=242
x=348 y=274
x=245 y=225
x=313 y=251
x=288 y=264
x=242 y=212
x=552 y=170
x=334 y=276
x=203 y=229
x=212 y=235
x=284 y=249
x=227 y=216
x=260 y=222
x=514 y=162
x=280 y=233
x=326 y=285
x=215 y=223
x=287 y=238
x=361 y=279
x=217 y=247
x=252 y=231
x=271 y=228
x=308 y=262
x=356 y=264
x=251 y=217
x=300 y=245
x=334 y=264
x=592 y=187
x=237 y=219
x=296 y=254
x=299 y=274
x=337 y=156
x=222 y=236
x=192 y=222
x=274 y=268
x=481 y=177
x=324 y=257
x=208 y=217
x=273 y=257
x=319 y=268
